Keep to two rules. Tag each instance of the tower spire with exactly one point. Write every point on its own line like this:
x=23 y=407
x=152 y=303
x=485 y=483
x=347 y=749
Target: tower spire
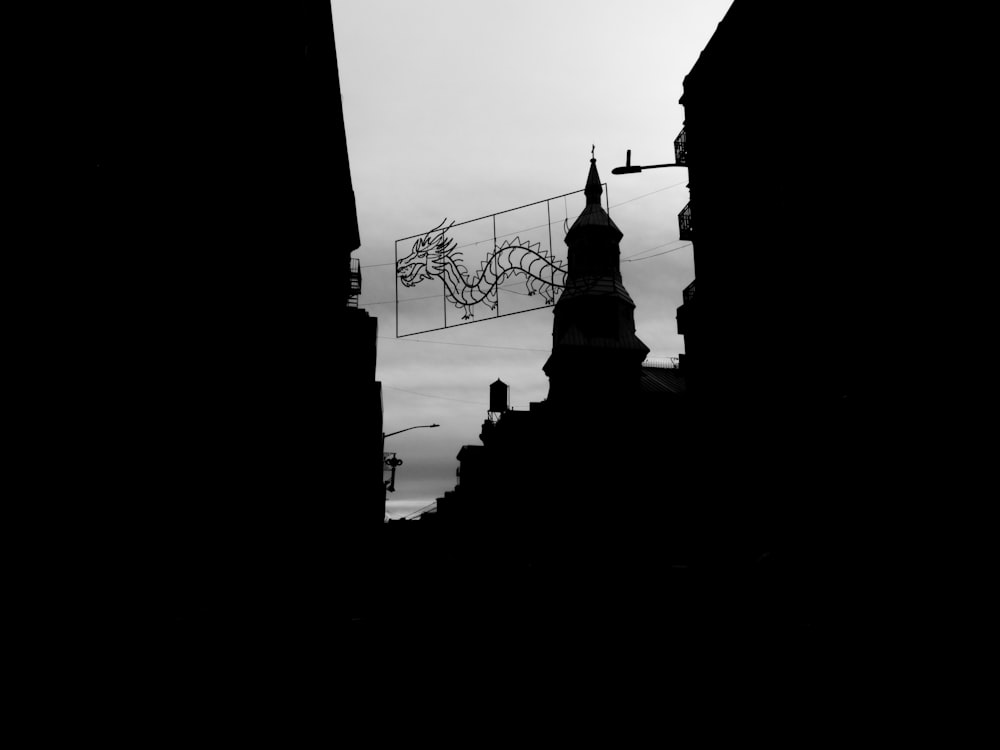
x=594 y=346
x=593 y=191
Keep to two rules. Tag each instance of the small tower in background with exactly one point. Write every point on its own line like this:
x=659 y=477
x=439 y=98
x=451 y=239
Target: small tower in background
x=499 y=398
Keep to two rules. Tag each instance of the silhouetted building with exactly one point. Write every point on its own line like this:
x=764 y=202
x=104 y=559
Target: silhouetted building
x=232 y=417
x=561 y=492
x=797 y=326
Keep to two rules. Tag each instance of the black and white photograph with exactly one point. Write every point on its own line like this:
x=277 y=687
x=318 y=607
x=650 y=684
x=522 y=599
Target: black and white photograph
x=560 y=339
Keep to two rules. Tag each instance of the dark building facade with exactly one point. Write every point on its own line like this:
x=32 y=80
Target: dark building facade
x=231 y=383
x=799 y=135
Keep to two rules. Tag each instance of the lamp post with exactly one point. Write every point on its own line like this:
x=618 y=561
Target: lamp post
x=684 y=217
x=629 y=168
x=390 y=434
x=393 y=462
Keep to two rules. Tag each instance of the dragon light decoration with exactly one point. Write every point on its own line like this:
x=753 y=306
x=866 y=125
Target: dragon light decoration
x=436 y=256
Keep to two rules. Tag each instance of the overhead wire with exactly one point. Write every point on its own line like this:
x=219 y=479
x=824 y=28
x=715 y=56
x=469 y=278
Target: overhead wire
x=631 y=259
x=646 y=195
x=438 y=296
x=392 y=301
x=649 y=249
x=656 y=255
x=456 y=343
x=429 y=395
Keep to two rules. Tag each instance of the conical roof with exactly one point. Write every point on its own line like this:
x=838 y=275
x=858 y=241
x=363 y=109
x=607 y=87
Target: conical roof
x=593 y=213
x=593 y=190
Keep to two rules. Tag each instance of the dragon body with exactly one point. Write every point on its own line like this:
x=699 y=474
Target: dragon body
x=435 y=256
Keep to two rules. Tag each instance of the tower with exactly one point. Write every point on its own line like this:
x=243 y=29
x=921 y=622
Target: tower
x=499 y=397
x=596 y=355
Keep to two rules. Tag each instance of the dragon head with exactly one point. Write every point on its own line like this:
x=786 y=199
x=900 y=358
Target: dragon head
x=426 y=256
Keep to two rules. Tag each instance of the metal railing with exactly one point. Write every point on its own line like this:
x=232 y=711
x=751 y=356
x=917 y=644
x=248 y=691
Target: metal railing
x=681 y=147
x=432 y=508
x=684 y=223
x=355 y=277
x=662 y=363
x=688 y=292
x=354 y=283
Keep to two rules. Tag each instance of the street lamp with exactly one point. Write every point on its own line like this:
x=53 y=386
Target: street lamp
x=680 y=153
x=390 y=434
x=630 y=169
x=393 y=462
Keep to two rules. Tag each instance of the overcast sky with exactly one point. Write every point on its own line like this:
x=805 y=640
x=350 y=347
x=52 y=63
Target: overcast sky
x=462 y=108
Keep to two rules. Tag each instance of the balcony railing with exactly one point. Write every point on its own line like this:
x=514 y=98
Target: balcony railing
x=355 y=277
x=688 y=293
x=681 y=148
x=354 y=283
x=684 y=223
x=660 y=363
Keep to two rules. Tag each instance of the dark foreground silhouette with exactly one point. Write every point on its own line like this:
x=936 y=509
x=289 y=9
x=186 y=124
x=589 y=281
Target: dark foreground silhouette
x=211 y=533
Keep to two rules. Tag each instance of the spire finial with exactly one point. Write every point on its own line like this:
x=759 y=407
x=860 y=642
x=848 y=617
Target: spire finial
x=592 y=147
x=593 y=190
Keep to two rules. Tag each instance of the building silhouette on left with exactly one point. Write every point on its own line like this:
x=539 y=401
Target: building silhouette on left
x=224 y=216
